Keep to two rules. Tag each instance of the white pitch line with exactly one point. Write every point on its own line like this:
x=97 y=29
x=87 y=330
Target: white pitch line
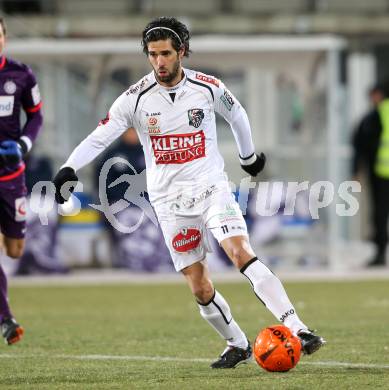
x=347 y=365
x=139 y=358
x=329 y=364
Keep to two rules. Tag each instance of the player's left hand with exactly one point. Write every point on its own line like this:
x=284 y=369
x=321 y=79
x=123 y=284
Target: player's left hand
x=10 y=153
x=256 y=166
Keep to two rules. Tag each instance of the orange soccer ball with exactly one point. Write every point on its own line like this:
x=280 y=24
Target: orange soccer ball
x=276 y=349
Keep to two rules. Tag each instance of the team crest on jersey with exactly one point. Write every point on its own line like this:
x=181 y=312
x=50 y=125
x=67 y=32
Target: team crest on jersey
x=9 y=87
x=196 y=116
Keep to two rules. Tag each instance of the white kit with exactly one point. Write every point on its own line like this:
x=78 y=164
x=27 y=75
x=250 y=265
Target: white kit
x=185 y=172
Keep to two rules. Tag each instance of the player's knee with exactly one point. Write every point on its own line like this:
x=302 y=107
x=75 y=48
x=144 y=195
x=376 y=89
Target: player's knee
x=203 y=292
x=240 y=256
x=14 y=251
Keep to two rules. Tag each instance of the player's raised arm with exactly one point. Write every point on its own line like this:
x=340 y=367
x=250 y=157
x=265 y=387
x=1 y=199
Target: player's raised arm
x=117 y=121
x=233 y=112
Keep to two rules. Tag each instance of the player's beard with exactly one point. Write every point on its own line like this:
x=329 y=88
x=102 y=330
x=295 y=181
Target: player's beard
x=170 y=75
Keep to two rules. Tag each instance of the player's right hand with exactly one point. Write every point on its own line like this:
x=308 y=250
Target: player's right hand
x=10 y=153
x=65 y=182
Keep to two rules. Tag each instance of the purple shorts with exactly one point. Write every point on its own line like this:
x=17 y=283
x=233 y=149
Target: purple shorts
x=13 y=207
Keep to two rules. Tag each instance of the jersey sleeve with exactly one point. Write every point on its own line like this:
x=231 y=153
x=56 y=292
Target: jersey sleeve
x=117 y=121
x=31 y=98
x=233 y=112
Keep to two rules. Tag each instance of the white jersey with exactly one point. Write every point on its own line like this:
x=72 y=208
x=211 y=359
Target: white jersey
x=177 y=132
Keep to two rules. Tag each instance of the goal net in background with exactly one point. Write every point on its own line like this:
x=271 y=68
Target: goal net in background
x=295 y=100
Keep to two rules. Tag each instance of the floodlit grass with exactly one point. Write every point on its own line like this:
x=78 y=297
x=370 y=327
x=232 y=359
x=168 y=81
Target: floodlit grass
x=120 y=326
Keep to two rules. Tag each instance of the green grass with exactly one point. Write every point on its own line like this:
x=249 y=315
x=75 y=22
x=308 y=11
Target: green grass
x=64 y=323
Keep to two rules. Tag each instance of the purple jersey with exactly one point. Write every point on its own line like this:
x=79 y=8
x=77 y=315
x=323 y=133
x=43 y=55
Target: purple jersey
x=18 y=90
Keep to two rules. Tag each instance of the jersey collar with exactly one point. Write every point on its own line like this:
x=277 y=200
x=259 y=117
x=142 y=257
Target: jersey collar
x=176 y=88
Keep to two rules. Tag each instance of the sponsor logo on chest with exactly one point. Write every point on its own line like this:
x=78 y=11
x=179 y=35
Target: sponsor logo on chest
x=6 y=105
x=178 y=148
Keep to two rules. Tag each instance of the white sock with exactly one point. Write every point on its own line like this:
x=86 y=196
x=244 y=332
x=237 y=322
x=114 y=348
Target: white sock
x=270 y=291
x=218 y=314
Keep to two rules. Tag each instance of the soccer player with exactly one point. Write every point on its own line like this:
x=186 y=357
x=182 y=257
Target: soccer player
x=18 y=90
x=173 y=109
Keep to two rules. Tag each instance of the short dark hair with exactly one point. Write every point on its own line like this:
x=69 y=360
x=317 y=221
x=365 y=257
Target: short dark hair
x=178 y=41
x=2 y=24
x=382 y=86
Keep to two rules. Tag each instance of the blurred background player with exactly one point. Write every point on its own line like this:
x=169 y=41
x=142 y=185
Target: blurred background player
x=40 y=254
x=173 y=110
x=128 y=148
x=143 y=249
x=371 y=152
x=18 y=91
